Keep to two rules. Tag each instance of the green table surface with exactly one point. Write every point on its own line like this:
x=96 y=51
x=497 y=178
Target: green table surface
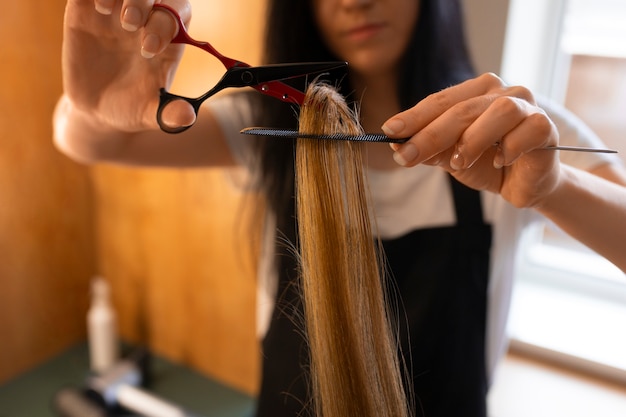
x=30 y=394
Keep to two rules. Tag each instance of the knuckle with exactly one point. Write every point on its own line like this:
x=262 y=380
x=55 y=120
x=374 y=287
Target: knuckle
x=466 y=111
x=441 y=100
x=521 y=92
x=491 y=80
x=541 y=124
x=506 y=107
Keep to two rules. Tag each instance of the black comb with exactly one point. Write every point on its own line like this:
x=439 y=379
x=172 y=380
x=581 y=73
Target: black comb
x=294 y=134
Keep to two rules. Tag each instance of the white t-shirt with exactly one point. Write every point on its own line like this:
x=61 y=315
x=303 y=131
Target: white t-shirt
x=405 y=199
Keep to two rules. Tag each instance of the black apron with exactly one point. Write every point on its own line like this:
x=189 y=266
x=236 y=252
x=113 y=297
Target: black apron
x=441 y=275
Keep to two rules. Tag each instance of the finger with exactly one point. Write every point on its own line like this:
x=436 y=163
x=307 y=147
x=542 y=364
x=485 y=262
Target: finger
x=489 y=128
x=134 y=14
x=178 y=113
x=442 y=159
x=408 y=122
x=161 y=28
x=480 y=121
x=442 y=133
x=535 y=132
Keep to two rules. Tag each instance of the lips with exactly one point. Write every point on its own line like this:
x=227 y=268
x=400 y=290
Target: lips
x=364 y=32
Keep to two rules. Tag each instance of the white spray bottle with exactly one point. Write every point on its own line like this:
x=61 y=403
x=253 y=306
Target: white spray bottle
x=101 y=328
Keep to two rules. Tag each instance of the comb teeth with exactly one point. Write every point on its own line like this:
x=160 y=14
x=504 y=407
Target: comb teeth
x=294 y=134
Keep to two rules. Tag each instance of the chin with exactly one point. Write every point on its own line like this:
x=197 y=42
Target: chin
x=371 y=61
x=369 y=66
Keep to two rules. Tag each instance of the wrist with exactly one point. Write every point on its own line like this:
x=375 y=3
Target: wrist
x=552 y=199
x=574 y=190
x=82 y=136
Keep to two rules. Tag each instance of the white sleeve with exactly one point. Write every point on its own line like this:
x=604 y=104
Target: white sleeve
x=234 y=112
x=509 y=223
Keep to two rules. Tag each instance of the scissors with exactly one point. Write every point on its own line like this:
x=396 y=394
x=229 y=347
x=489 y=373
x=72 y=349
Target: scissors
x=266 y=79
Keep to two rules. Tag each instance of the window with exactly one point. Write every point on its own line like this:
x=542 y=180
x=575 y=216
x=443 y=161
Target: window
x=569 y=303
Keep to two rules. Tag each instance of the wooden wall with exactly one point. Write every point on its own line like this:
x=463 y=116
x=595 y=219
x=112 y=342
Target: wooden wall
x=172 y=243
x=46 y=242
x=175 y=251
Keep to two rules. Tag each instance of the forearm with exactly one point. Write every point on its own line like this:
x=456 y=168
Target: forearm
x=86 y=139
x=81 y=137
x=592 y=210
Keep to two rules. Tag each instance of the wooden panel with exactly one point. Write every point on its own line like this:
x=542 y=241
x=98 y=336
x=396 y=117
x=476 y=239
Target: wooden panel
x=172 y=242
x=181 y=268
x=46 y=243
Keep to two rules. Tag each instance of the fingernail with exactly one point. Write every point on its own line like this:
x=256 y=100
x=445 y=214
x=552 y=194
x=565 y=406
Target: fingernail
x=131 y=19
x=103 y=9
x=457 y=161
x=393 y=126
x=406 y=154
x=498 y=160
x=150 y=46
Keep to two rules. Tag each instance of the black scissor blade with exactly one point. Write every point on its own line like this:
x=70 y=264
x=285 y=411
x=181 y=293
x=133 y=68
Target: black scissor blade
x=277 y=72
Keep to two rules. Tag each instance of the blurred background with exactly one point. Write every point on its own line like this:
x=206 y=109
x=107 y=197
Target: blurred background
x=172 y=245
x=169 y=241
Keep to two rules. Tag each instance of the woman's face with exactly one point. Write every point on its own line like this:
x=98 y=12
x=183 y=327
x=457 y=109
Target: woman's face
x=371 y=35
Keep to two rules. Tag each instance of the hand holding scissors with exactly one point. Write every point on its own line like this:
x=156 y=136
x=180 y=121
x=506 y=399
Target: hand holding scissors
x=265 y=79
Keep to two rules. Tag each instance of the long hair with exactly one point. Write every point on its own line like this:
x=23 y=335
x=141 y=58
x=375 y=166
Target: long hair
x=436 y=58
x=355 y=367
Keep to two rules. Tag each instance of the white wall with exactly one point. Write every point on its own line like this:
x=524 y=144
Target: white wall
x=486 y=29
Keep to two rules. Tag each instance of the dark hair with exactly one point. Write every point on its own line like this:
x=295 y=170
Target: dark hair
x=436 y=58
